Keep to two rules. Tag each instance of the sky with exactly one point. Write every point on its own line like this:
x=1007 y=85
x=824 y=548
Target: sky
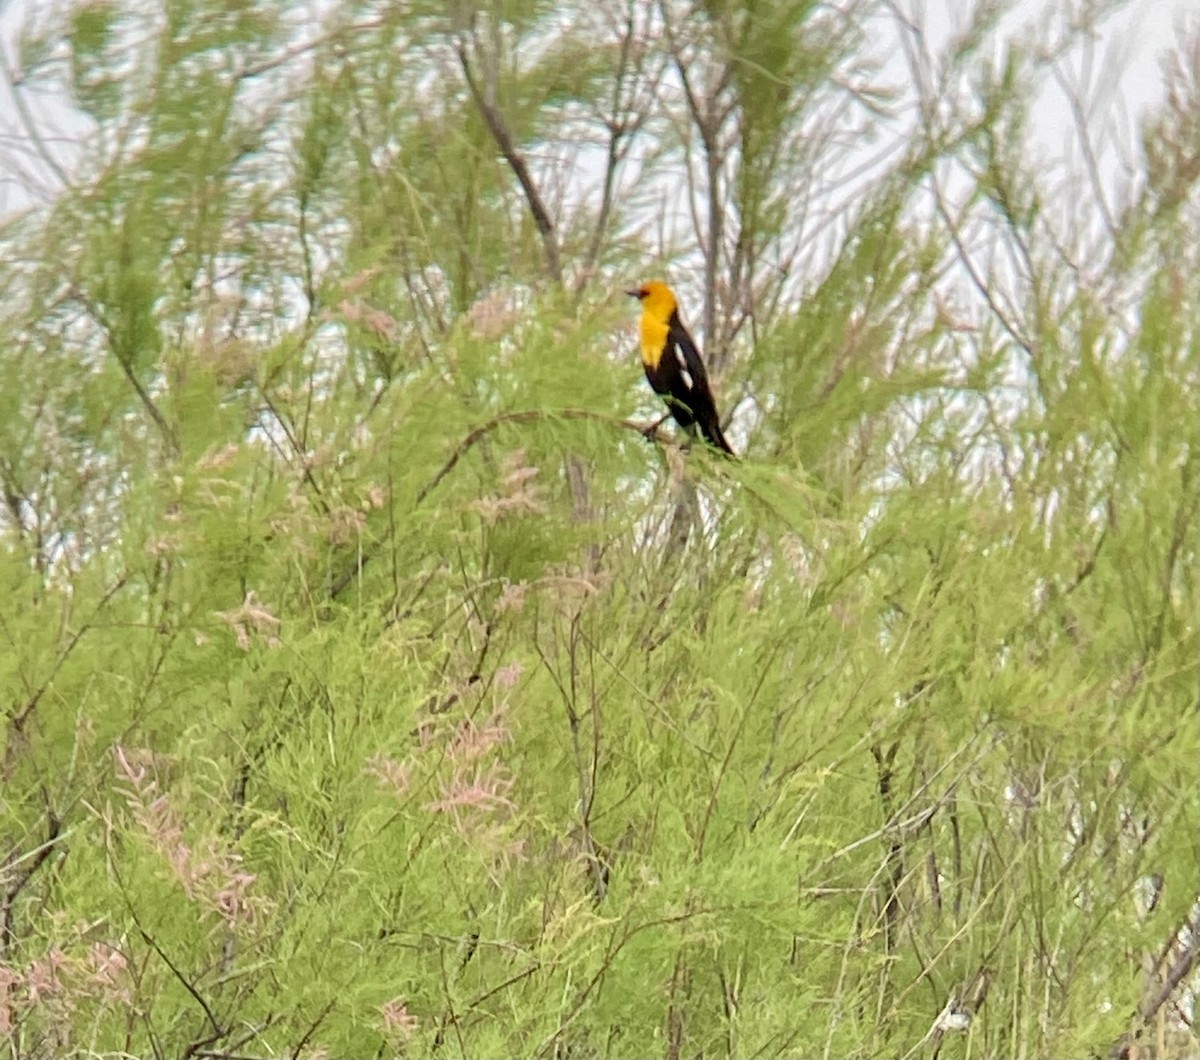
x=1118 y=77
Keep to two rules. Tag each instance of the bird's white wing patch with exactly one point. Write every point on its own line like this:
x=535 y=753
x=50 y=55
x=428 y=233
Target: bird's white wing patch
x=683 y=368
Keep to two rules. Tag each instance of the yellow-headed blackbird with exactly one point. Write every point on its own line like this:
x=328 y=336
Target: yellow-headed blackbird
x=673 y=364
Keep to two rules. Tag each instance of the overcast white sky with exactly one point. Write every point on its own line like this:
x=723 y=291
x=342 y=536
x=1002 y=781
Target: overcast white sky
x=1119 y=77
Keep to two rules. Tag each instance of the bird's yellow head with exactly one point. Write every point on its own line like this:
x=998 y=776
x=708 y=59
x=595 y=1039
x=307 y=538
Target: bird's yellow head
x=658 y=300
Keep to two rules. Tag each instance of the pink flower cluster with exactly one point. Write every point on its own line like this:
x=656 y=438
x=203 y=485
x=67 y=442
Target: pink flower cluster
x=57 y=984
x=210 y=874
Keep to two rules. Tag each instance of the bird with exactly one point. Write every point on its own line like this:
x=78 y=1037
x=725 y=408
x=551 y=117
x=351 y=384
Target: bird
x=673 y=364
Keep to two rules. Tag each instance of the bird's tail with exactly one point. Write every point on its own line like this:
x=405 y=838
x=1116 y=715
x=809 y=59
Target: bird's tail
x=715 y=437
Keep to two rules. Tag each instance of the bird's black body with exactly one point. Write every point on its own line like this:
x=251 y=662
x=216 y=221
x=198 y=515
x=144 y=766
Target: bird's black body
x=680 y=378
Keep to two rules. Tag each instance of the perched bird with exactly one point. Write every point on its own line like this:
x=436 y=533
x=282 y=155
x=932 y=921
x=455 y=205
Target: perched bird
x=673 y=364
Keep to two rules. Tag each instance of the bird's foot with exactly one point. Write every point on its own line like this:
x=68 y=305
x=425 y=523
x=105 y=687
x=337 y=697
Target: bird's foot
x=651 y=432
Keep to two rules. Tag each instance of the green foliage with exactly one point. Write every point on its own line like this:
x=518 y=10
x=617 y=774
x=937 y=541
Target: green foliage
x=374 y=686
x=91 y=33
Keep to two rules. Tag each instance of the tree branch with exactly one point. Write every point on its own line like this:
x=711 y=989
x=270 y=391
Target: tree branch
x=516 y=162
x=651 y=432
x=18 y=880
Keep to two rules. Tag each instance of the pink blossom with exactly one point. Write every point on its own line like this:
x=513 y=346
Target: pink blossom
x=508 y=676
x=10 y=978
x=512 y=598
x=231 y=900
x=483 y=791
x=397 y=1019
x=108 y=967
x=42 y=979
x=473 y=741
x=392 y=775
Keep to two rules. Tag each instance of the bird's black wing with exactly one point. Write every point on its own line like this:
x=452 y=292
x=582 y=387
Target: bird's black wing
x=690 y=386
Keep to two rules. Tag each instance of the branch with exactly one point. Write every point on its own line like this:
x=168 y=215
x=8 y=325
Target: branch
x=18 y=880
x=516 y=162
x=312 y=1029
x=218 y=1032
x=1184 y=963
x=294 y=51
x=19 y=717
x=1178 y=971
x=528 y=416
x=620 y=127
x=650 y=432
x=96 y=311
x=15 y=88
x=159 y=419
x=981 y=285
x=708 y=116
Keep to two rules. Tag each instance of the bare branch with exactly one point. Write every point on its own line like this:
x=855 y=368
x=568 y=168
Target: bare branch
x=516 y=162
x=1179 y=969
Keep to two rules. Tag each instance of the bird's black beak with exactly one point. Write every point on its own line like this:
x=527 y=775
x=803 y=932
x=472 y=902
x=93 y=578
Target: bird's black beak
x=637 y=292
